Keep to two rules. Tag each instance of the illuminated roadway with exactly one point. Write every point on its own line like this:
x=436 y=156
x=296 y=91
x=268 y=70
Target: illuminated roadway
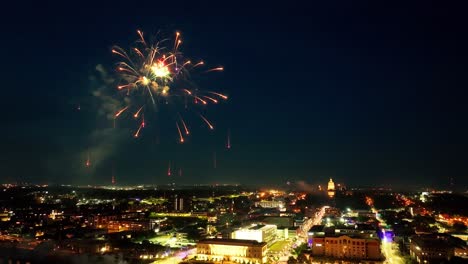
x=302 y=236
x=388 y=247
x=391 y=253
x=304 y=229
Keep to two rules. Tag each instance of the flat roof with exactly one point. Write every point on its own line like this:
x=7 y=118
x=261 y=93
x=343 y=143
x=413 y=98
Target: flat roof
x=257 y=227
x=317 y=228
x=229 y=241
x=352 y=236
x=431 y=242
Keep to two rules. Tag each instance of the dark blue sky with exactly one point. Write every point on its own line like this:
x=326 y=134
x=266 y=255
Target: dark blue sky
x=367 y=93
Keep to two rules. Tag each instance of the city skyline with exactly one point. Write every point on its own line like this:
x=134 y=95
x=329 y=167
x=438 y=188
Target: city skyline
x=366 y=94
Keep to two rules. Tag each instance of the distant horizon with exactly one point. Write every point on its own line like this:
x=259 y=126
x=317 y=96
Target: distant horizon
x=297 y=186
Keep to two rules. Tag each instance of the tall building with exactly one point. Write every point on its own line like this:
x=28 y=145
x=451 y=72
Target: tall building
x=234 y=250
x=331 y=188
x=178 y=204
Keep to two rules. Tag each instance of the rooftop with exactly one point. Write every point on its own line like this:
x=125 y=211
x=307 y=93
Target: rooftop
x=352 y=236
x=437 y=241
x=317 y=228
x=235 y=242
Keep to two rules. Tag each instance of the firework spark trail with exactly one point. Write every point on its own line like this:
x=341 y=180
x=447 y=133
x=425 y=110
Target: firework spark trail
x=139 y=53
x=137 y=113
x=216 y=69
x=141 y=37
x=176 y=40
x=187 y=132
x=88 y=161
x=207 y=122
x=121 y=111
x=228 y=144
x=218 y=94
x=198 y=64
x=137 y=133
x=211 y=99
x=199 y=99
x=181 y=138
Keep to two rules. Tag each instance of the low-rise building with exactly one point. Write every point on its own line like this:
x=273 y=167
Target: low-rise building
x=436 y=248
x=235 y=250
x=346 y=247
x=128 y=225
x=279 y=204
x=260 y=233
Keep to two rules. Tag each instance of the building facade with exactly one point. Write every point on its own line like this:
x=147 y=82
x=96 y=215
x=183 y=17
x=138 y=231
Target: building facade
x=271 y=204
x=128 y=225
x=331 y=188
x=234 y=250
x=259 y=233
x=346 y=247
x=431 y=249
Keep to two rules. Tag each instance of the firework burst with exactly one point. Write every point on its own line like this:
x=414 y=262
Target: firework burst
x=152 y=74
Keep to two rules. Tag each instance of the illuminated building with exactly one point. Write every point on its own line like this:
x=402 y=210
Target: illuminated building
x=346 y=247
x=436 y=248
x=461 y=252
x=332 y=211
x=235 y=250
x=127 y=225
x=271 y=204
x=260 y=233
x=5 y=216
x=179 y=204
x=331 y=188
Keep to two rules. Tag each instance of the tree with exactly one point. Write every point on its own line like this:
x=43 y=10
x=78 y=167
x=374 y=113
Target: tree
x=291 y=260
x=302 y=258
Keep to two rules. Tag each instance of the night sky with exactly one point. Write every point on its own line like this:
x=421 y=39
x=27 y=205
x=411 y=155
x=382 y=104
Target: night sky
x=370 y=94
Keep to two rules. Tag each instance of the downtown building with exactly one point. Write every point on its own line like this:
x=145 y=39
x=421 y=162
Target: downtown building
x=259 y=233
x=278 y=204
x=346 y=247
x=233 y=250
x=437 y=248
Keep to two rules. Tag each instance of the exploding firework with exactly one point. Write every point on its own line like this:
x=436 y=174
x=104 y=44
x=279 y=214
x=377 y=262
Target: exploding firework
x=153 y=74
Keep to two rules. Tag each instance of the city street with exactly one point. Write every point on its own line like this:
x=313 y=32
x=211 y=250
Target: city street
x=389 y=248
x=302 y=236
x=304 y=229
x=390 y=251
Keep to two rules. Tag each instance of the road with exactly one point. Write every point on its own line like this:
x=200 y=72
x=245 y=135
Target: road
x=301 y=237
x=305 y=227
x=177 y=257
x=390 y=251
x=389 y=248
